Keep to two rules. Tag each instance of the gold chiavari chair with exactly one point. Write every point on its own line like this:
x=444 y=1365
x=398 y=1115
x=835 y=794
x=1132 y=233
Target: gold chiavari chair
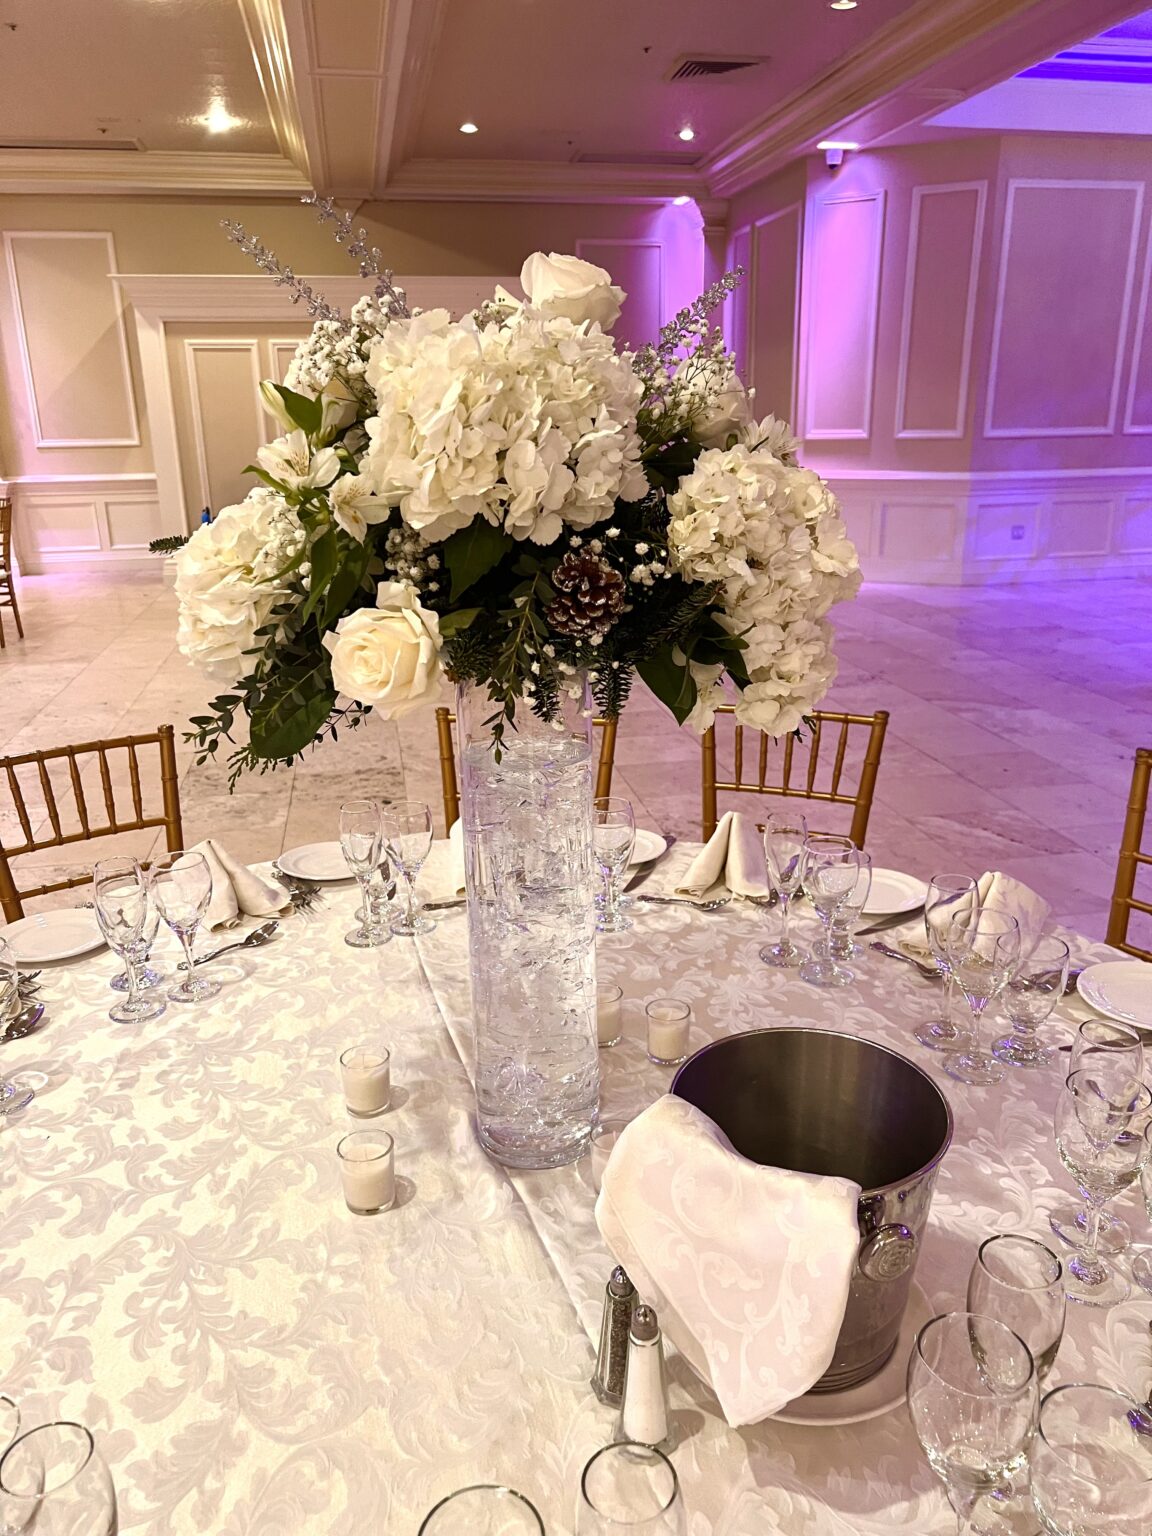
x=794 y=769
x=66 y=804
x=7 y=585
x=1124 y=898
x=449 y=784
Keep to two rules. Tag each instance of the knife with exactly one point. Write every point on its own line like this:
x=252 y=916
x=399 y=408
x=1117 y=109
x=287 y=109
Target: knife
x=893 y=920
x=646 y=869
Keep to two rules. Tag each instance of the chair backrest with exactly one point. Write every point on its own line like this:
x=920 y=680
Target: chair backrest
x=58 y=811
x=450 y=786
x=835 y=763
x=5 y=533
x=1124 y=898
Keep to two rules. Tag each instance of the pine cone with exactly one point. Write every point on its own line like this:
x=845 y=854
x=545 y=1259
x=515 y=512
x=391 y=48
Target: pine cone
x=590 y=596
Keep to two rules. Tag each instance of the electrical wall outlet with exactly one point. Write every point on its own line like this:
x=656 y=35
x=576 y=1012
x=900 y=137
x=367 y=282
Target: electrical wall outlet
x=1018 y=532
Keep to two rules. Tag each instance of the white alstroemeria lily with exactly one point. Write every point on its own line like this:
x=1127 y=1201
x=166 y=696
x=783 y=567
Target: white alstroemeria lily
x=290 y=461
x=354 y=506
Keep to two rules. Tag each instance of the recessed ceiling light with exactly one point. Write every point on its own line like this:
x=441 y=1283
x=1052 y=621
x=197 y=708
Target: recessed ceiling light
x=842 y=5
x=218 y=119
x=837 y=144
x=469 y=128
x=687 y=134
x=678 y=202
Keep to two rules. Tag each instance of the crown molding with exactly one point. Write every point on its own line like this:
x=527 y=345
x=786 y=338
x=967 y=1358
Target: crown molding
x=272 y=55
x=540 y=181
x=124 y=173
x=166 y=298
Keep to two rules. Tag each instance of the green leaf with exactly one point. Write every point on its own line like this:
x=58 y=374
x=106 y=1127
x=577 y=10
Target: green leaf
x=453 y=623
x=344 y=585
x=670 y=681
x=324 y=556
x=262 y=474
x=472 y=553
x=293 y=706
x=307 y=414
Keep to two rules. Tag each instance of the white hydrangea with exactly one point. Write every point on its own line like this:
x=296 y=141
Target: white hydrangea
x=530 y=424
x=228 y=580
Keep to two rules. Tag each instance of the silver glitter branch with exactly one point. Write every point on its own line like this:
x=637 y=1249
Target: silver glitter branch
x=318 y=306
x=680 y=330
x=393 y=300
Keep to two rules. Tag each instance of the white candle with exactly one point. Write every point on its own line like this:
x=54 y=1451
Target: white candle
x=668 y=1025
x=366 y=1072
x=608 y=1026
x=366 y=1171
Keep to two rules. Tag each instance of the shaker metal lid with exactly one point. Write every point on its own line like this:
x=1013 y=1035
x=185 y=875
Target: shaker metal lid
x=645 y=1328
x=619 y=1284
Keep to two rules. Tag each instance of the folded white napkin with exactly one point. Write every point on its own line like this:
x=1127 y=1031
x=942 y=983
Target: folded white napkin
x=732 y=856
x=236 y=888
x=456 y=857
x=748 y=1267
x=1017 y=900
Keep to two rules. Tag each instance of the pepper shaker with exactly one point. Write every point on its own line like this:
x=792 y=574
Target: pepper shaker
x=644 y=1414
x=612 y=1356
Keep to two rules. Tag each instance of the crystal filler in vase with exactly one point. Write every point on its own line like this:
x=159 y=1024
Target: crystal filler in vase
x=531 y=927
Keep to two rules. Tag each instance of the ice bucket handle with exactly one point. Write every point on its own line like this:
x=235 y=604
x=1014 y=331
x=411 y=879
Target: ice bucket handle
x=887 y=1253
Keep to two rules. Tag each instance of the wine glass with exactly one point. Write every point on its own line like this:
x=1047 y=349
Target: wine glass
x=361 y=841
x=613 y=839
x=784 y=838
x=13 y=1096
x=1142 y=1263
x=972 y=1399
x=947 y=895
x=843 y=943
x=1021 y=1282
x=1101 y=1141
x=408 y=834
x=983 y=949
x=831 y=869
x=124 y=911
x=182 y=888
x=54 y=1482
x=146 y=977
x=1028 y=999
x=1091 y=1463
x=1115 y=1053
x=630 y=1487
x=483 y=1510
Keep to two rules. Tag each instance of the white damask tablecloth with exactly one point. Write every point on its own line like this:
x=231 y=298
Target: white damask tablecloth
x=179 y=1272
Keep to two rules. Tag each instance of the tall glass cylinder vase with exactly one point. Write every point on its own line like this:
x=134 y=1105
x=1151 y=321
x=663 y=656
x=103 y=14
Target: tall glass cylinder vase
x=531 y=928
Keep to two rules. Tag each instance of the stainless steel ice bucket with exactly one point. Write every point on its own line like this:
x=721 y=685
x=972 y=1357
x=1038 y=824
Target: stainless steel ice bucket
x=822 y=1102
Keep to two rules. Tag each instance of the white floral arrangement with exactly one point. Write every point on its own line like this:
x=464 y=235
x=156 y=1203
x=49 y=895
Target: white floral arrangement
x=511 y=499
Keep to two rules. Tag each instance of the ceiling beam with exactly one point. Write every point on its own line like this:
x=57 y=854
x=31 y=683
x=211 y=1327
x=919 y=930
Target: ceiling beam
x=540 y=181
x=129 y=173
x=272 y=56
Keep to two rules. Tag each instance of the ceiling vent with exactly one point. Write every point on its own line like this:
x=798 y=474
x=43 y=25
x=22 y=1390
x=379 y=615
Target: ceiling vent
x=713 y=66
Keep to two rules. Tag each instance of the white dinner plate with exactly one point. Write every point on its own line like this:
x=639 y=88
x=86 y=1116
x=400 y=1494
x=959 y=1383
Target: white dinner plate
x=894 y=892
x=59 y=935
x=886 y=1390
x=649 y=846
x=1122 y=989
x=315 y=861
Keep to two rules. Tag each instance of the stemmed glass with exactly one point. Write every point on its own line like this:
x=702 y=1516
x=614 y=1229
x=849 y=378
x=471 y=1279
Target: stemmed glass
x=1021 y=1282
x=124 y=912
x=831 y=869
x=613 y=839
x=482 y=1510
x=1028 y=999
x=13 y=1096
x=54 y=1482
x=1101 y=1141
x=146 y=977
x=983 y=949
x=843 y=943
x=629 y=1487
x=1091 y=1463
x=361 y=841
x=947 y=895
x=408 y=834
x=784 y=838
x=1142 y=1263
x=182 y=888
x=972 y=1400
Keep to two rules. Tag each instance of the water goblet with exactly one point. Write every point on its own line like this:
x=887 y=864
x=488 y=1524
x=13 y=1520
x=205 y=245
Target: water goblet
x=947 y=895
x=1100 y=1139
x=54 y=1482
x=1028 y=999
x=1091 y=1463
x=784 y=837
x=123 y=911
x=1142 y=1263
x=831 y=869
x=181 y=885
x=13 y=1096
x=843 y=945
x=483 y=1510
x=972 y=1398
x=1018 y=1280
x=613 y=839
x=361 y=841
x=629 y=1487
x=983 y=949
x=408 y=836
x=145 y=975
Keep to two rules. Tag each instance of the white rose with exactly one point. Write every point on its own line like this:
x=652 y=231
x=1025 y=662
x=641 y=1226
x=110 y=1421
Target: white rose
x=388 y=656
x=566 y=286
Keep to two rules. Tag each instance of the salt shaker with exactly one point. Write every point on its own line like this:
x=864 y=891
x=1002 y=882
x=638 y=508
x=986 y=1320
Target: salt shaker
x=612 y=1356
x=644 y=1415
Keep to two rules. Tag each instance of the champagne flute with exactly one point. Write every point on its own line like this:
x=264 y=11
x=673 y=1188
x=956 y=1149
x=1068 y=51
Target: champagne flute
x=361 y=839
x=123 y=911
x=182 y=889
x=408 y=834
x=13 y=1096
x=613 y=839
x=784 y=838
x=1091 y=1463
x=831 y=870
x=983 y=950
x=54 y=1482
x=629 y=1487
x=1028 y=999
x=947 y=895
x=1021 y=1282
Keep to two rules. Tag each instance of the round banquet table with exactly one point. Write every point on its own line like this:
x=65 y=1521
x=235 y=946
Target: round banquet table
x=181 y=1274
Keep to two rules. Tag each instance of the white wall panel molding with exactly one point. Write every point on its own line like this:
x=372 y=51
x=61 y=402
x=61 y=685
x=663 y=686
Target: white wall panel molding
x=81 y=522
x=844 y=242
x=1141 y=356
x=247 y=350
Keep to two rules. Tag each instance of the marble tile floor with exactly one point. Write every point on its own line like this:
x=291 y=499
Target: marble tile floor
x=1015 y=711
